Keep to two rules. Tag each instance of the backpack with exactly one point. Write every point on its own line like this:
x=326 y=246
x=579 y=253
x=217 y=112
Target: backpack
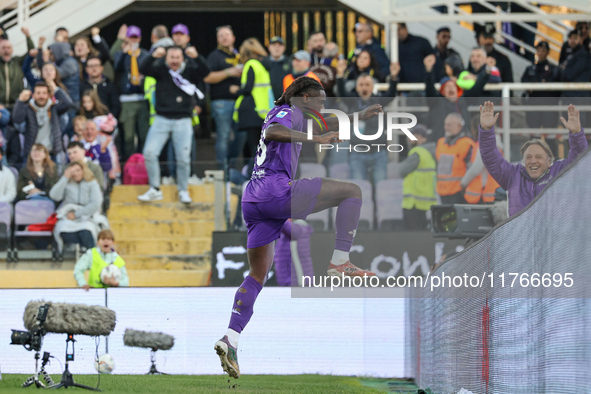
x=134 y=171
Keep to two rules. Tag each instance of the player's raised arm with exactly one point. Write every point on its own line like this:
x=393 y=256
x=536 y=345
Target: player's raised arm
x=280 y=133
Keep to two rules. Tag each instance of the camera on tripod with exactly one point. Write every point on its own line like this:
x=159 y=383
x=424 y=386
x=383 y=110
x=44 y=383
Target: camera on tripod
x=32 y=340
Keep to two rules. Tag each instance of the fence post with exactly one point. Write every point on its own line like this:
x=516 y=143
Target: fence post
x=20 y=12
x=506 y=109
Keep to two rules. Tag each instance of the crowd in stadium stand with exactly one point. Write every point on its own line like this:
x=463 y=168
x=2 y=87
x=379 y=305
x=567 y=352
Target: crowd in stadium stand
x=97 y=104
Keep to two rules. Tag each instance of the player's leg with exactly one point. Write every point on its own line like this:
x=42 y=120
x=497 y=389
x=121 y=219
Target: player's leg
x=346 y=196
x=260 y=260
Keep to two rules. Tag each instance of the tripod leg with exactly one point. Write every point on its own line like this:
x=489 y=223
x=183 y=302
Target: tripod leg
x=84 y=387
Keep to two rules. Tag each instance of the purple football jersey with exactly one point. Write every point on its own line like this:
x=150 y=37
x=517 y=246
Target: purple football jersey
x=275 y=162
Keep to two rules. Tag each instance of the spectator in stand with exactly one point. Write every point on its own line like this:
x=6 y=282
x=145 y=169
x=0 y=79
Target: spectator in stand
x=76 y=152
x=81 y=199
x=14 y=147
x=330 y=54
x=365 y=63
x=411 y=52
x=454 y=102
x=442 y=51
x=326 y=69
x=97 y=258
x=582 y=30
x=107 y=126
x=576 y=66
x=61 y=35
x=135 y=115
x=60 y=54
x=255 y=96
x=540 y=72
x=365 y=40
x=480 y=63
x=419 y=171
x=96 y=151
x=454 y=154
x=160 y=38
x=92 y=105
x=453 y=66
x=79 y=126
x=176 y=79
x=316 y=43
x=11 y=77
x=41 y=115
x=49 y=72
x=7 y=182
x=225 y=72
x=84 y=50
x=101 y=85
x=40 y=172
x=486 y=39
x=4 y=120
x=180 y=36
x=524 y=181
x=280 y=65
x=300 y=67
x=375 y=158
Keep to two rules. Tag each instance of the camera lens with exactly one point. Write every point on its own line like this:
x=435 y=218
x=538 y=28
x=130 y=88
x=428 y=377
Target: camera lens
x=20 y=337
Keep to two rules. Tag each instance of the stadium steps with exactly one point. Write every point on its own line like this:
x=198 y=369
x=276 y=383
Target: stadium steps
x=165 y=237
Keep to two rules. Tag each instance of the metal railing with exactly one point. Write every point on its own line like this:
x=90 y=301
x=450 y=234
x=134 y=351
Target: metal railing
x=21 y=11
x=506 y=107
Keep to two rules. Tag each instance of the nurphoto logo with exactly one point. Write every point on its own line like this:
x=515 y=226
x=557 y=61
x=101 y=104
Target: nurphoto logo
x=392 y=119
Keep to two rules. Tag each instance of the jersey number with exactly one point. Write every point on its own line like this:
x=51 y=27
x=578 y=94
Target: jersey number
x=261 y=150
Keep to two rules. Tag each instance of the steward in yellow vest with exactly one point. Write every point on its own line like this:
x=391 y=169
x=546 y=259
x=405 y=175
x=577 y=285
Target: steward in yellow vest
x=256 y=88
x=96 y=259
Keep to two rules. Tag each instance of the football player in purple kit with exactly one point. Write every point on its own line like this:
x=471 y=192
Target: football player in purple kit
x=272 y=196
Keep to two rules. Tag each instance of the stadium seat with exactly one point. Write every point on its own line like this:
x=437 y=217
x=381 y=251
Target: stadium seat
x=389 y=200
x=5 y=233
x=312 y=170
x=28 y=212
x=340 y=171
x=392 y=170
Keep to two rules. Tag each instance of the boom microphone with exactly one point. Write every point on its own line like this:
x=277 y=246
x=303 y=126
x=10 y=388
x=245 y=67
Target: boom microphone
x=151 y=340
x=75 y=319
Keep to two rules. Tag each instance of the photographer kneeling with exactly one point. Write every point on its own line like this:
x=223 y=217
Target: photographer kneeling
x=96 y=259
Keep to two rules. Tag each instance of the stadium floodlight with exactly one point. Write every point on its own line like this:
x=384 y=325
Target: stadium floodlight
x=461 y=220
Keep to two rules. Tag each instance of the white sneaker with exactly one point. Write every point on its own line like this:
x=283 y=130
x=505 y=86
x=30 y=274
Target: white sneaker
x=151 y=195
x=195 y=180
x=184 y=197
x=168 y=180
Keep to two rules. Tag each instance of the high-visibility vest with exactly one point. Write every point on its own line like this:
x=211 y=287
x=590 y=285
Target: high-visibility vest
x=94 y=276
x=150 y=95
x=475 y=191
x=262 y=93
x=451 y=166
x=288 y=79
x=418 y=187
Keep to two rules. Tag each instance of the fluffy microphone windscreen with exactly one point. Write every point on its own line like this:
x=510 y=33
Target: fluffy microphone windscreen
x=152 y=340
x=75 y=319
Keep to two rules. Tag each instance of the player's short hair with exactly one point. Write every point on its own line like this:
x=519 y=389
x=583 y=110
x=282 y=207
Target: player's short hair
x=541 y=143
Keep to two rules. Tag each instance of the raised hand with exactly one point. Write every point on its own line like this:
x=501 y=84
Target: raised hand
x=25 y=95
x=159 y=52
x=95 y=31
x=33 y=52
x=491 y=61
x=370 y=111
x=122 y=34
x=41 y=41
x=429 y=62
x=191 y=52
x=573 y=124
x=394 y=69
x=25 y=31
x=487 y=115
x=106 y=143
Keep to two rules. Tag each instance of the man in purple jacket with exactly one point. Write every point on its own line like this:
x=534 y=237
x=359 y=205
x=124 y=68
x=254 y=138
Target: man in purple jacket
x=524 y=181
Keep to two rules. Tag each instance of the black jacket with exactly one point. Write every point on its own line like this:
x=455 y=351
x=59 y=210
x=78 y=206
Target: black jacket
x=171 y=101
x=278 y=69
x=411 y=53
x=106 y=92
x=377 y=51
x=23 y=112
x=576 y=68
x=541 y=72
